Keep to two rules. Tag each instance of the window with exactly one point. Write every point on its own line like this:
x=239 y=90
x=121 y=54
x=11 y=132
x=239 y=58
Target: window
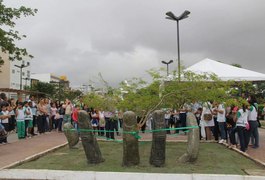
x=23 y=73
x=28 y=74
x=28 y=63
x=13 y=71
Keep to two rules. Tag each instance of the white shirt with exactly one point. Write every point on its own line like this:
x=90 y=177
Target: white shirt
x=221 y=117
x=6 y=119
x=252 y=114
x=207 y=110
x=242 y=118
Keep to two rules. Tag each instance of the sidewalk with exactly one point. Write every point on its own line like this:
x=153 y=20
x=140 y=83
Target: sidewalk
x=259 y=153
x=19 y=150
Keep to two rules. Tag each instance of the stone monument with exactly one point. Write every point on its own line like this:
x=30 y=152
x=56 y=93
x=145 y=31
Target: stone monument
x=89 y=141
x=158 y=150
x=193 y=141
x=131 y=155
x=71 y=134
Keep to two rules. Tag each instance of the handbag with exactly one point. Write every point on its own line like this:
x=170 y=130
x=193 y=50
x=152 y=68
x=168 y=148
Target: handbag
x=208 y=116
x=247 y=126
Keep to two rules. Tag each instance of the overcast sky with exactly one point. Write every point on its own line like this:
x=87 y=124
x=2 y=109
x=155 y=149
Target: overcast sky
x=124 y=38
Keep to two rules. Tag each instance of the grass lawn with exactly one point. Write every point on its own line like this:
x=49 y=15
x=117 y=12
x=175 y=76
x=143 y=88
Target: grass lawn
x=213 y=159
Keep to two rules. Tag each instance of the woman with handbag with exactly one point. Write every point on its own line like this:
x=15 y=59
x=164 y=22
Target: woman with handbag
x=207 y=120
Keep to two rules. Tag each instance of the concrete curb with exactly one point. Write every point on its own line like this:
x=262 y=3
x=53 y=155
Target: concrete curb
x=33 y=157
x=84 y=175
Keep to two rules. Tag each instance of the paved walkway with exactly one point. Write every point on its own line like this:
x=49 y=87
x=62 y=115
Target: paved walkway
x=260 y=152
x=18 y=150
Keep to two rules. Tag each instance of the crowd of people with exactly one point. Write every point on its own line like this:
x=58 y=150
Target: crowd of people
x=29 y=118
x=236 y=125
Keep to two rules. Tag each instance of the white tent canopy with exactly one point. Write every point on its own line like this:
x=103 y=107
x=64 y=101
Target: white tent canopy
x=225 y=72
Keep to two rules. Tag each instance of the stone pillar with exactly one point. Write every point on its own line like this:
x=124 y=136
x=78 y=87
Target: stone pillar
x=89 y=141
x=193 y=141
x=158 y=151
x=131 y=155
x=71 y=135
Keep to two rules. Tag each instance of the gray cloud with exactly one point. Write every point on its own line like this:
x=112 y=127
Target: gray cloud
x=124 y=38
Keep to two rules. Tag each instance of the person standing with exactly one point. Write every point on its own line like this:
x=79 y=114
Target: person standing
x=207 y=120
x=28 y=119
x=220 y=110
x=68 y=111
x=109 y=124
x=241 y=124
x=75 y=117
x=253 y=122
x=4 y=115
x=102 y=123
x=53 y=114
x=42 y=114
x=183 y=118
x=20 y=116
x=33 y=108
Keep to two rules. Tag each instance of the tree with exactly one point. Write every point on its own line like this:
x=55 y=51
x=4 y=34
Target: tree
x=173 y=94
x=43 y=87
x=71 y=94
x=9 y=36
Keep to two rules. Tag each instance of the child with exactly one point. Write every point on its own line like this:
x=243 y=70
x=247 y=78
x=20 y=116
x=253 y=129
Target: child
x=28 y=119
x=4 y=121
x=75 y=116
x=53 y=114
x=20 y=115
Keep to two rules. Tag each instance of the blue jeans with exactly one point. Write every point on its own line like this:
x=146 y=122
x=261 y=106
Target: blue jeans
x=221 y=126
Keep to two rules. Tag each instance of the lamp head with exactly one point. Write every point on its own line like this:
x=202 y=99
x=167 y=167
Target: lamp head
x=171 y=16
x=184 y=15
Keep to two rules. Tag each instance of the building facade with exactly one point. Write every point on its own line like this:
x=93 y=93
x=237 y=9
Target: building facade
x=14 y=74
x=51 y=78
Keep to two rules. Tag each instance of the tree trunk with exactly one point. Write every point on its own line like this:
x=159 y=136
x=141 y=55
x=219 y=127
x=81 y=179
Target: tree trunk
x=89 y=141
x=158 y=151
x=131 y=155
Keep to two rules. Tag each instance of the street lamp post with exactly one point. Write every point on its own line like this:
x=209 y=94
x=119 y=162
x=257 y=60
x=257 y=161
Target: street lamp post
x=172 y=17
x=26 y=79
x=167 y=63
x=21 y=67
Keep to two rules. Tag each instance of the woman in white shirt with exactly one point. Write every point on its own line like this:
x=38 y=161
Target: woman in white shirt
x=207 y=122
x=241 y=120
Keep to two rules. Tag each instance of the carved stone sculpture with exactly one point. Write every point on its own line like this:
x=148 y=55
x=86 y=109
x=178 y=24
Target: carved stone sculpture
x=193 y=141
x=71 y=135
x=89 y=141
x=158 y=151
x=131 y=155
